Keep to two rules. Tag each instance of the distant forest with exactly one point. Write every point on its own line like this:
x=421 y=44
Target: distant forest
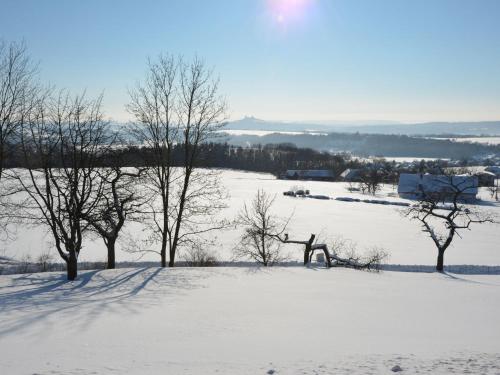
x=272 y=158
x=374 y=145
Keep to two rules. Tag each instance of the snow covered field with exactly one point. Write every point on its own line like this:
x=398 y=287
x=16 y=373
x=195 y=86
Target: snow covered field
x=367 y=224
x=249 y=321
x=246 y=320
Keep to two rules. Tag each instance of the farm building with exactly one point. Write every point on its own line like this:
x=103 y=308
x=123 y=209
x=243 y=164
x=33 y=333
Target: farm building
x=494 y=169
x=416 y=186
x=309 y=174
x=486 y=178
x=351 y=175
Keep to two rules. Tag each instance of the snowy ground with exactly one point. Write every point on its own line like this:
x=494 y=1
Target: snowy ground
x=249 y=321
x=367 y=224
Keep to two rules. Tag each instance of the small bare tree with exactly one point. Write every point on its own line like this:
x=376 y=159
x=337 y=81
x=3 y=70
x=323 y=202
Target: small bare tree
x=177 y=109
x=370 y=181
x=260 y=238
x=199 y=256
x=493 y=189
x=443 y=215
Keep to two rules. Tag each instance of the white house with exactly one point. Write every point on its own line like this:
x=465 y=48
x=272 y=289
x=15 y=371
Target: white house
x=417 y=186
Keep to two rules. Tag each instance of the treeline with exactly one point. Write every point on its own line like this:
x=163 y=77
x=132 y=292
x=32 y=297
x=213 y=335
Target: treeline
x=375 y=145
x=273 y=159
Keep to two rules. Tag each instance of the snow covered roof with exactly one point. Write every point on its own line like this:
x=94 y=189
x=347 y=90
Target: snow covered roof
x=493 y=169
x=485 y=173
x=416 y=183
x=310 y=173
x=350 y=173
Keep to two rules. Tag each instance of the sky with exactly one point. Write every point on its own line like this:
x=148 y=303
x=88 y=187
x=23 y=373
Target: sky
x=289 y=60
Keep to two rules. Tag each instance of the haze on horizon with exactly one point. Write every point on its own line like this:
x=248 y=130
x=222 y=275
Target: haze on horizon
x=287 y=60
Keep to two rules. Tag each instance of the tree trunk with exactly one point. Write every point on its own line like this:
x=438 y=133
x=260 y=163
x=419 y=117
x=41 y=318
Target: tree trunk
x=327 y=258
x=440 y=261
x=171 y=261
x=111 y=254
x=72 y=266
x=163 y=251
x=306 y=256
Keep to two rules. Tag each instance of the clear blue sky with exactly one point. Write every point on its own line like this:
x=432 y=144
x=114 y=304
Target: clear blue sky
x=291 y=60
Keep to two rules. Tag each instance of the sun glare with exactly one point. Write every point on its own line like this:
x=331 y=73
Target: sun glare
x=289 y=12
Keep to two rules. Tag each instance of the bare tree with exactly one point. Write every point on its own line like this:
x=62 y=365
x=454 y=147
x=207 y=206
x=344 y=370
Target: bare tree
x=17 y=73
x=309 y=247
x=17 y=86
x=493 y=189
x=370 y=181
x=199 y=256
x=61 y=140
x=178 y=107
x=118 y=199
x=341 y=255
x=260 y=238
x=443 y=214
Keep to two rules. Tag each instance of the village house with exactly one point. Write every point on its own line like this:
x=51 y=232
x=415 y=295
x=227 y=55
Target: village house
x=417 y=186
x=351 y=175
x=486 y=178
x=494 y=169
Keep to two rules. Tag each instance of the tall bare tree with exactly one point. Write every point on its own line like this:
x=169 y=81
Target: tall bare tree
x=442 y=213
x=178 y=106
x=118 y=199
x=61 y=140
x=17 y=74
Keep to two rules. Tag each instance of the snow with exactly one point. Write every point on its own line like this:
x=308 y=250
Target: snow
x=366 y=224
x=482 y=140
x=249 y=321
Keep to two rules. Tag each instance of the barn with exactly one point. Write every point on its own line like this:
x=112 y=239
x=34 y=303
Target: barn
x=351 y=175
x=417 y=186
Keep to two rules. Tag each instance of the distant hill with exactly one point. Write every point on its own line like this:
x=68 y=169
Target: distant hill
x=491 y=128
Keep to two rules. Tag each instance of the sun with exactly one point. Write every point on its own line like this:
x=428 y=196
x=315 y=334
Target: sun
x=289 y=12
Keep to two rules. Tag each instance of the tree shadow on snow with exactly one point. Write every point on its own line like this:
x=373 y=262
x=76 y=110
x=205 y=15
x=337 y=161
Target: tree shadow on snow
x=42 y=299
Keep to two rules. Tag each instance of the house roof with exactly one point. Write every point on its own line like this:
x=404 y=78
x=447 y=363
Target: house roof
x=350 y=173
x=493 y=169
x=485 y=173
x=415 y=183
x=310 y=173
